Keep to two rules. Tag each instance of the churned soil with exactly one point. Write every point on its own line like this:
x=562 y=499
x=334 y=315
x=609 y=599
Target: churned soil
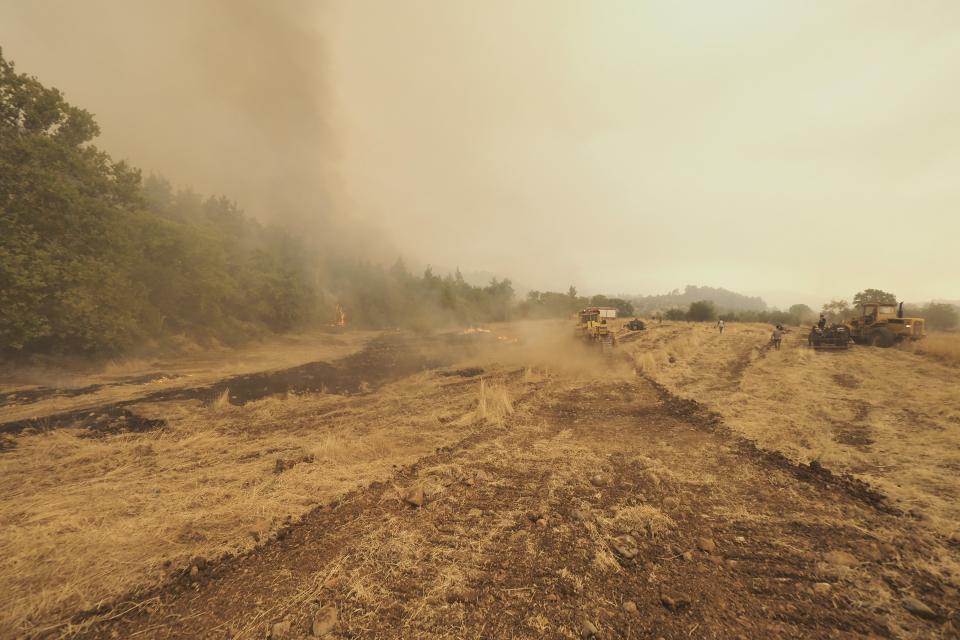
x=595 y=505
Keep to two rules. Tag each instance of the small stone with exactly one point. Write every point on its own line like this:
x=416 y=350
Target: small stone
x=673 y=603
x=324 y=622
x=332 y=582
x=598 y=480
x=706 y=544
x=194 y=571
x=687 y=555
x=740 y=540
x=588 y=629
x=414 y=497
x=670 y=502
x=841 y=558
x=474 y=513
x=580 y=514
x=542 y=523
x=280 y=630
x=717 y=560
x=822 y=588
x=629 y=606
x=625 y=546
x=918 y=608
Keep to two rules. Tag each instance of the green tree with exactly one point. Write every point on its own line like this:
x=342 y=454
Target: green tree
x=875 y=296
x=801 y=313
x=62 y=203
x=836 y=310
x=702 y=311
x=675 y=314
x=623 y=307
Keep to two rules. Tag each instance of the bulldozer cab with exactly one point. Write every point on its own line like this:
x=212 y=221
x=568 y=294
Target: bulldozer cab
x=598 y=315
x=592 y=326
x=883 y=325
x=872 y=313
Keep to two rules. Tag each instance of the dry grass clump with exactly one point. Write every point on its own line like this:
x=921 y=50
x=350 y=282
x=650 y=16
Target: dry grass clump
x=645 y=519
x=221 y=402
x=940 y=345
x=493 y=403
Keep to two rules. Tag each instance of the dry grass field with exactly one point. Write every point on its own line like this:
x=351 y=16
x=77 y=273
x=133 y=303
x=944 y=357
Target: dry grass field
x=888 y=416
x=467 y=486
x=939 y=345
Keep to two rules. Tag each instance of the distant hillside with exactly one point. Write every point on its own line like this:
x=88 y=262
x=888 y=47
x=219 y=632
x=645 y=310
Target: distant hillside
x=723 y=299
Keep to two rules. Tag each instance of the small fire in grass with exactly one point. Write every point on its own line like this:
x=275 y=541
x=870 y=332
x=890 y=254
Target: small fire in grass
x=476 y=330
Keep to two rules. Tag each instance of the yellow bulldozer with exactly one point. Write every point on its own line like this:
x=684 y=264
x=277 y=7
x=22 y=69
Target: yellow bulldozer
x=883 y=325
x=592 y=327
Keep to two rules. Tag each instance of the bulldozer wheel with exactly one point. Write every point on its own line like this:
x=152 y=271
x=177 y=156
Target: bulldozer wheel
x=881 y=338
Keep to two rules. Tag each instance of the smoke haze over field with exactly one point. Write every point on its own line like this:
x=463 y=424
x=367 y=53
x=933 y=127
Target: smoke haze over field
x=225 y=96
x=797 y=150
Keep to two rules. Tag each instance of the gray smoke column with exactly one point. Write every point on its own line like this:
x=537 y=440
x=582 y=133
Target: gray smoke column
x=226 y=96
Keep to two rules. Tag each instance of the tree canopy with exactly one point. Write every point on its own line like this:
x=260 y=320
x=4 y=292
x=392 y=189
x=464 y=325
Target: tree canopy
x=876 y=296
x=701 y=311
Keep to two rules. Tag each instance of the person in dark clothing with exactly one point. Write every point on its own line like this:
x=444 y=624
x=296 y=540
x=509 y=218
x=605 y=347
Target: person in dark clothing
x=823 y=321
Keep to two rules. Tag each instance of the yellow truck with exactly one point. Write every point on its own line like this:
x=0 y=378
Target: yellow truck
x=883 y=325
x=593 y=328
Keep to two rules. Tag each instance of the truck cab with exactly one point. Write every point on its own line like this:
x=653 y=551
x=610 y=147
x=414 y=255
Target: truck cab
x=883 y=325
x=592 y=325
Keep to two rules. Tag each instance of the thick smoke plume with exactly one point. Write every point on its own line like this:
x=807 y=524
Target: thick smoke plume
x=224 y=96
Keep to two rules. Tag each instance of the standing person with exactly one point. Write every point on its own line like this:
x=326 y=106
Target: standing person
x=720 y=325
x=823 y=321
x=777 y=337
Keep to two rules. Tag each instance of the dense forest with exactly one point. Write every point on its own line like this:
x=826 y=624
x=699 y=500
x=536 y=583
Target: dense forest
x=94 y=259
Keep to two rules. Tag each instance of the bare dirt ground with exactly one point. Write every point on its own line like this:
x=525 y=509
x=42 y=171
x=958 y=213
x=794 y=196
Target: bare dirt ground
x=464 y=486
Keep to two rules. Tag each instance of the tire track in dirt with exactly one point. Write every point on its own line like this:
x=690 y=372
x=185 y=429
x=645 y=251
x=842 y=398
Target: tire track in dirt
x=593 y=494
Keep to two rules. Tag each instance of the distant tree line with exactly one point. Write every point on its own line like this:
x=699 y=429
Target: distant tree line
x=551 y=304
x=707 y=311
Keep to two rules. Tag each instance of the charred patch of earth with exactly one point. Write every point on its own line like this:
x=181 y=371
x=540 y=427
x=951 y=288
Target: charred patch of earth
x=383 y=360
x=29 y=396
x=699 y=416
x=468 y=372
x=97 y=423
x=846 y=381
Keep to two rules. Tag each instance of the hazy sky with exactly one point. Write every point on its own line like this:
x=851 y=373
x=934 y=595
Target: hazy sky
x=799 y=150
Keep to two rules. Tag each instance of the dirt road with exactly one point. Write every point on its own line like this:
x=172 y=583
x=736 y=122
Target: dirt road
x=526 y=491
